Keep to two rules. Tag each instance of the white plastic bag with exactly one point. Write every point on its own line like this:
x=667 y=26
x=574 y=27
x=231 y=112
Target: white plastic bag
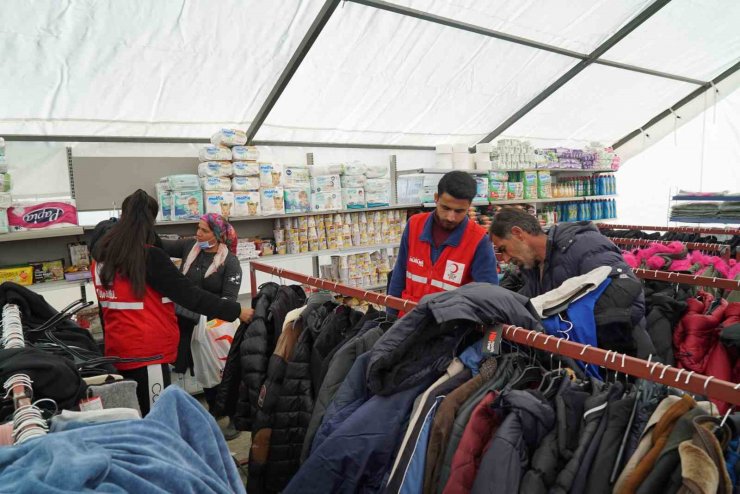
x=210 y=346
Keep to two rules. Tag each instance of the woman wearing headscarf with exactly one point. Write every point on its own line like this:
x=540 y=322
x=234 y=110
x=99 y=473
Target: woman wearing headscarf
x=137 y=287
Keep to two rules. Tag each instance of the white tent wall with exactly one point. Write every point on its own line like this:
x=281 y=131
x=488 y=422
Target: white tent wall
x=646 y=181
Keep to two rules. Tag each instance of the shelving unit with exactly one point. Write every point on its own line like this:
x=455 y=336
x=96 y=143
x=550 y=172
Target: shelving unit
x=718 y=220
x=41 y=234
x=325 y=252
x=729 y=198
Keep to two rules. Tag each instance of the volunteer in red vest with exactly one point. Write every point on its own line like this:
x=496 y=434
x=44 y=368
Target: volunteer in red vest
x=137 y=287
x=444 y=249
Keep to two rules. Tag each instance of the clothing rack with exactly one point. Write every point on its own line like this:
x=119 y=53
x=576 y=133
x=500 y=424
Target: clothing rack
x=723 y=249
x=678 y=229
x=28 y=422
x=691 y=382
x=686 y=279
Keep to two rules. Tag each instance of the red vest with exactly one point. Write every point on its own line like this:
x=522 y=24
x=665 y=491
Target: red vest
x=452 y=269
x=136 y=327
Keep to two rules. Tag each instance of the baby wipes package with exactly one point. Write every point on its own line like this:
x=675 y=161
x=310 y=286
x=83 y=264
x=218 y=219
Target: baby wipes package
x=326 y=201
x=544 y=185
x=229 y=137
x=222 y=184
x=187 y=204
x=481 y=191
x=215 y=169
x=244 y=153
x=245 y=169
x=215 y=153
x=166 y=203
x=246 y=204
x=271 y=175
x=377 y=185
x=272 y=200
x=219 y=203
x=353 y=181
x=180 y=182
x=245 y=183
x=377 y=171
x=530 y=185
x=353 y=198
x=319 y=170
x=296 y=176
x=34 y=215
x=298 y=200
x=378 y=199
x=325 y=183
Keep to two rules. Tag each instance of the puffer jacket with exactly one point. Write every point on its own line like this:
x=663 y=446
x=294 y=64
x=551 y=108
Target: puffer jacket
x=333 y=331
x=665 y=305
x=696 y=339
x=243 y=372
x=528 y=418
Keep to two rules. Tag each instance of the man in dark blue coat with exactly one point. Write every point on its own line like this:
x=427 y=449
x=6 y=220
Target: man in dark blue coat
x=567 y=250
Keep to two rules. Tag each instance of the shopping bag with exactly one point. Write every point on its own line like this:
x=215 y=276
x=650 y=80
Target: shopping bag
x=210 y=346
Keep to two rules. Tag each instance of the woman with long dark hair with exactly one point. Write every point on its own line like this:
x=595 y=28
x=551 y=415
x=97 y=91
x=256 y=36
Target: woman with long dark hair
x=137 y=287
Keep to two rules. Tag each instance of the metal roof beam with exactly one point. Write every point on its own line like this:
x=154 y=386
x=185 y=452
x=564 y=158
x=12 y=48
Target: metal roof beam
x=290 y=69
x=633 y=24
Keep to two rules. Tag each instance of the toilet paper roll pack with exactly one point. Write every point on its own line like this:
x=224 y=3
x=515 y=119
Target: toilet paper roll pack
x=33 y=215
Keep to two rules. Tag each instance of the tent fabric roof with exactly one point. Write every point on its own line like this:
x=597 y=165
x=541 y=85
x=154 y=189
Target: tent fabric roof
x=181 y=68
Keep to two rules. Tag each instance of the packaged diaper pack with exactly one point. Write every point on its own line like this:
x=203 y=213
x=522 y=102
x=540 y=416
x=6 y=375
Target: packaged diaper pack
x=530 y=184
x=319 y=170
x=298 y=200
x=5 y=183
x=180 y=182
x=353 y=180
x=544 y=184
x=187 y=204
x=497 y=190
x=325 y=183
x=377 y=185
x=354 y=168
x=378 y=199
x=481 y=191
x=353 y=198
x=166 y=199
x=296 y=176
x=215 y=169
x=326 y=201
x=515 y=190
x=271 y=175
x=219 y=203
x=229 y=137
x=5 y=200
x=244 y=153
x=246 y=204
x=376 y=171
x=215 y=153
x=221 y=184
x=272 y=200
x=245 y=169
x=245 y=183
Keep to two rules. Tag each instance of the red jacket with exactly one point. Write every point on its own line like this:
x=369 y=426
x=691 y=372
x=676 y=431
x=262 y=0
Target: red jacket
x=136 y=327
x=452 y=269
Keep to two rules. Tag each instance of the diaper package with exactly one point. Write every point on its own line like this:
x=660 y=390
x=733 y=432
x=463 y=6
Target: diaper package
x=353 y=197
x=246 y=169
x=481 y=191
x=325 y=183
x=215 y=153
x=298 y=200
x=244 y=153
x=166 y=203
x=296 y=176
x=377 y=185
x=35 y=215
x=245 y=183
x=215 y=169
x=271 y=175
x=544 y=185
x=515 y=190
x=326 y=201
x=319 y=170
x=4 y=227
x=5 y=200
x=272 y=200
x=377 y=171
x=219 y=203
x=246 y=204
x=497 y=190
x=378 y=199
x=354 y=168
x=222 y=184
x=187 y=204
x=180 y=182
x=353 y=181
x=498 y=176
x=229 y=137
x=530 y=185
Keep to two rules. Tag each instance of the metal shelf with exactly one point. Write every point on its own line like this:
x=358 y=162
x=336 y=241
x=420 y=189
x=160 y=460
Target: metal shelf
x=56 y=285
x=716 y=220
x=533 y=201
x=730 y=198
x=439 y=171
x=69 y=231
x=560 y=170
x=325 y=252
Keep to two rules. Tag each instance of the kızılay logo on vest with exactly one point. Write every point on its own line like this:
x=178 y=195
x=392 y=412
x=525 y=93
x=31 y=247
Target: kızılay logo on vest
x=416 y=260
x=44 y=215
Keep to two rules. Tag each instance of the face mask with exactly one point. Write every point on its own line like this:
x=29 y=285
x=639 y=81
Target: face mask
x=204 y=245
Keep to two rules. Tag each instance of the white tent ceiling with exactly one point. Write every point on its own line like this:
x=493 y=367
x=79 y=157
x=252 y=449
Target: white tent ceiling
x=182 y=68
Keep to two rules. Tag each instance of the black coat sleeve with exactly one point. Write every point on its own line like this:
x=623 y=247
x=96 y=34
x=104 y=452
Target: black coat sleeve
x=232 y=280
x=164 y=277
x=177 y=248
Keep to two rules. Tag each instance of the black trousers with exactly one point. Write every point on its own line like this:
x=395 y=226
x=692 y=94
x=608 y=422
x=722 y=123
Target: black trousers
x=150 y=382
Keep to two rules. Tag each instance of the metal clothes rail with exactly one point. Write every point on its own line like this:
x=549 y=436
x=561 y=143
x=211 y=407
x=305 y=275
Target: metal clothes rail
x=654 y=371
x=707 y=247
x=678 y=229
x=686 y=279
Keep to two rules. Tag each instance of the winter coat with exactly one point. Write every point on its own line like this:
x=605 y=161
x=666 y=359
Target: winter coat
x=465 y=462
x=424 y=340
x=333 y=331
x=528 y=418
x=292 y=408
x=665 y=305
x=244 y=371
x=703 y=470
x=444 y=420
x=338 y=369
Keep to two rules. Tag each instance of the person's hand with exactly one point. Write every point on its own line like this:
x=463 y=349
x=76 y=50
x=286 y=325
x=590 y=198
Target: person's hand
x=247 y=314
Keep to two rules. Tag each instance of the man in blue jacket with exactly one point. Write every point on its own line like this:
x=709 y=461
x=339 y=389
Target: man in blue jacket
x=444 y=249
